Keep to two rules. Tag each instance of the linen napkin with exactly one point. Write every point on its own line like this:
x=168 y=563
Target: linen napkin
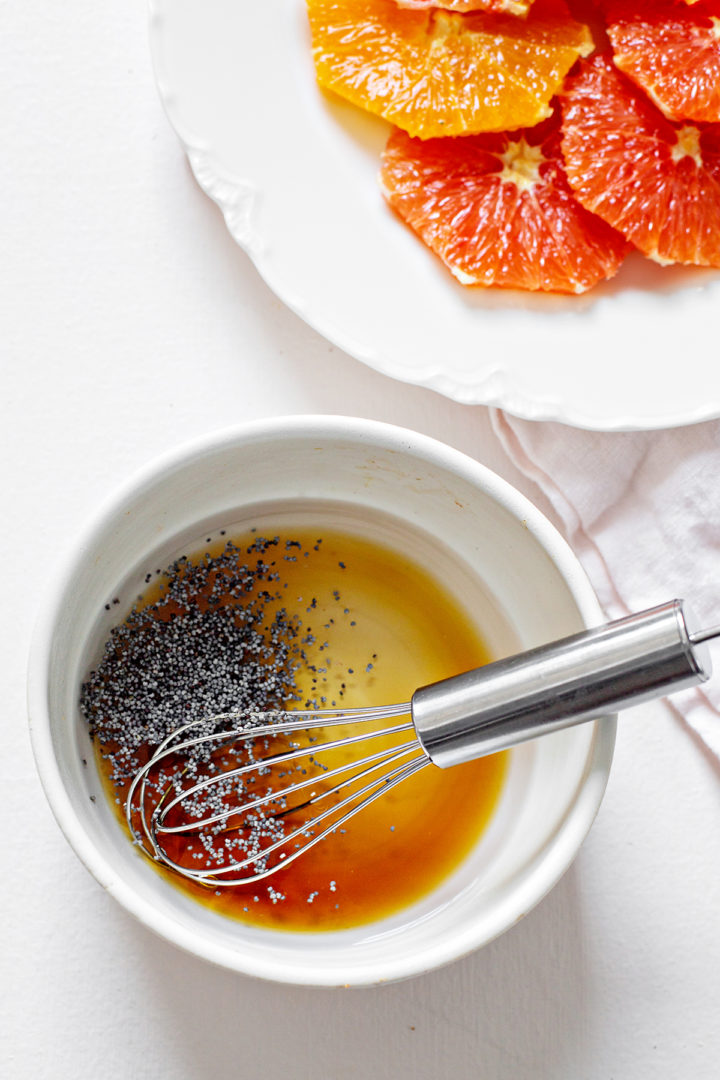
x=641 y=510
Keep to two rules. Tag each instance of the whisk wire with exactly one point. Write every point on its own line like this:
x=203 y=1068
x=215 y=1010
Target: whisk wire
x=371 y=791
x=381 y=757
x=169 y=746
x=151 y=826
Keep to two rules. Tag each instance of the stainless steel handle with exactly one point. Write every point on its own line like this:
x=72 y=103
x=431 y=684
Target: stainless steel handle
x=566 y=682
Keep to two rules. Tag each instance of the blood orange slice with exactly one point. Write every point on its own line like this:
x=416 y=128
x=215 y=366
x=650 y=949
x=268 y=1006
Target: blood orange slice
x=671 y=52
x=497 y=209
x=656 y=181
x=515 y=7
x=435 y=72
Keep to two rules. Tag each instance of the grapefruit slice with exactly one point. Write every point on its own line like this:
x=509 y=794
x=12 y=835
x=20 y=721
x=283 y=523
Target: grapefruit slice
x=656 y=181
x=435 y=72
x=498 y=210
x=671 y=52
x=514 y=7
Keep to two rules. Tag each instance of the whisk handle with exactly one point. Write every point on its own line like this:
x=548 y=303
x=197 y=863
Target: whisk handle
x=567 y=682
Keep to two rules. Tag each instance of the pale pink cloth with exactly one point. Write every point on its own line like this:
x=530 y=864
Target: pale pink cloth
x=641 y=510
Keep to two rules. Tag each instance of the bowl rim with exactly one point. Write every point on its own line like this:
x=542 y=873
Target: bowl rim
x=564 y=845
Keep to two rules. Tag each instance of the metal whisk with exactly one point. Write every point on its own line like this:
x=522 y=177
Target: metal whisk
x=256 y=791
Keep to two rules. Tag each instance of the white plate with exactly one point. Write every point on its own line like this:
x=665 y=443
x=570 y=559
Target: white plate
x=295 y=173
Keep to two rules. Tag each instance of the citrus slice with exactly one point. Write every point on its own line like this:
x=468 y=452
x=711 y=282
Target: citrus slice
x=656 y=181
x=515 y=7
x=435 y=72
x=671 y=52
x=498 y=210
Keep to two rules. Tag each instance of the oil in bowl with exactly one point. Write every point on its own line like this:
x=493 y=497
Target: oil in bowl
x=296 y=612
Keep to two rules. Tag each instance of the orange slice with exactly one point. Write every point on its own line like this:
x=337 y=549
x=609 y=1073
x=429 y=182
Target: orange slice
x=514 y=7
x=436 y=72
x=498 y=210
x=656 y=181
x=671 y=52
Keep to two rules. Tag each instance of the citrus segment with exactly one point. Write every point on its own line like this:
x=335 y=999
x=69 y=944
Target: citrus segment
x=515 y=7
x=656 y=181
x=671 y=52
x=497 y=209
x=435 y=72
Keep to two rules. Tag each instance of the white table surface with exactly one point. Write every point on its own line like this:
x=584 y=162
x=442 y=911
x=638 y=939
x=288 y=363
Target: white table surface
x=130 y=321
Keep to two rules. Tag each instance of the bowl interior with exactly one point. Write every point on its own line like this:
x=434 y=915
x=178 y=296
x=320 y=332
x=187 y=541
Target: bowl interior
x=488 y=547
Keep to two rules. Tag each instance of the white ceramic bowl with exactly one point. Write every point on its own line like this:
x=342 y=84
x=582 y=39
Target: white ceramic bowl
x=491 y=547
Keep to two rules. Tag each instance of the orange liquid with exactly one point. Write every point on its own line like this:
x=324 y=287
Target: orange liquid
x=383 y=627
